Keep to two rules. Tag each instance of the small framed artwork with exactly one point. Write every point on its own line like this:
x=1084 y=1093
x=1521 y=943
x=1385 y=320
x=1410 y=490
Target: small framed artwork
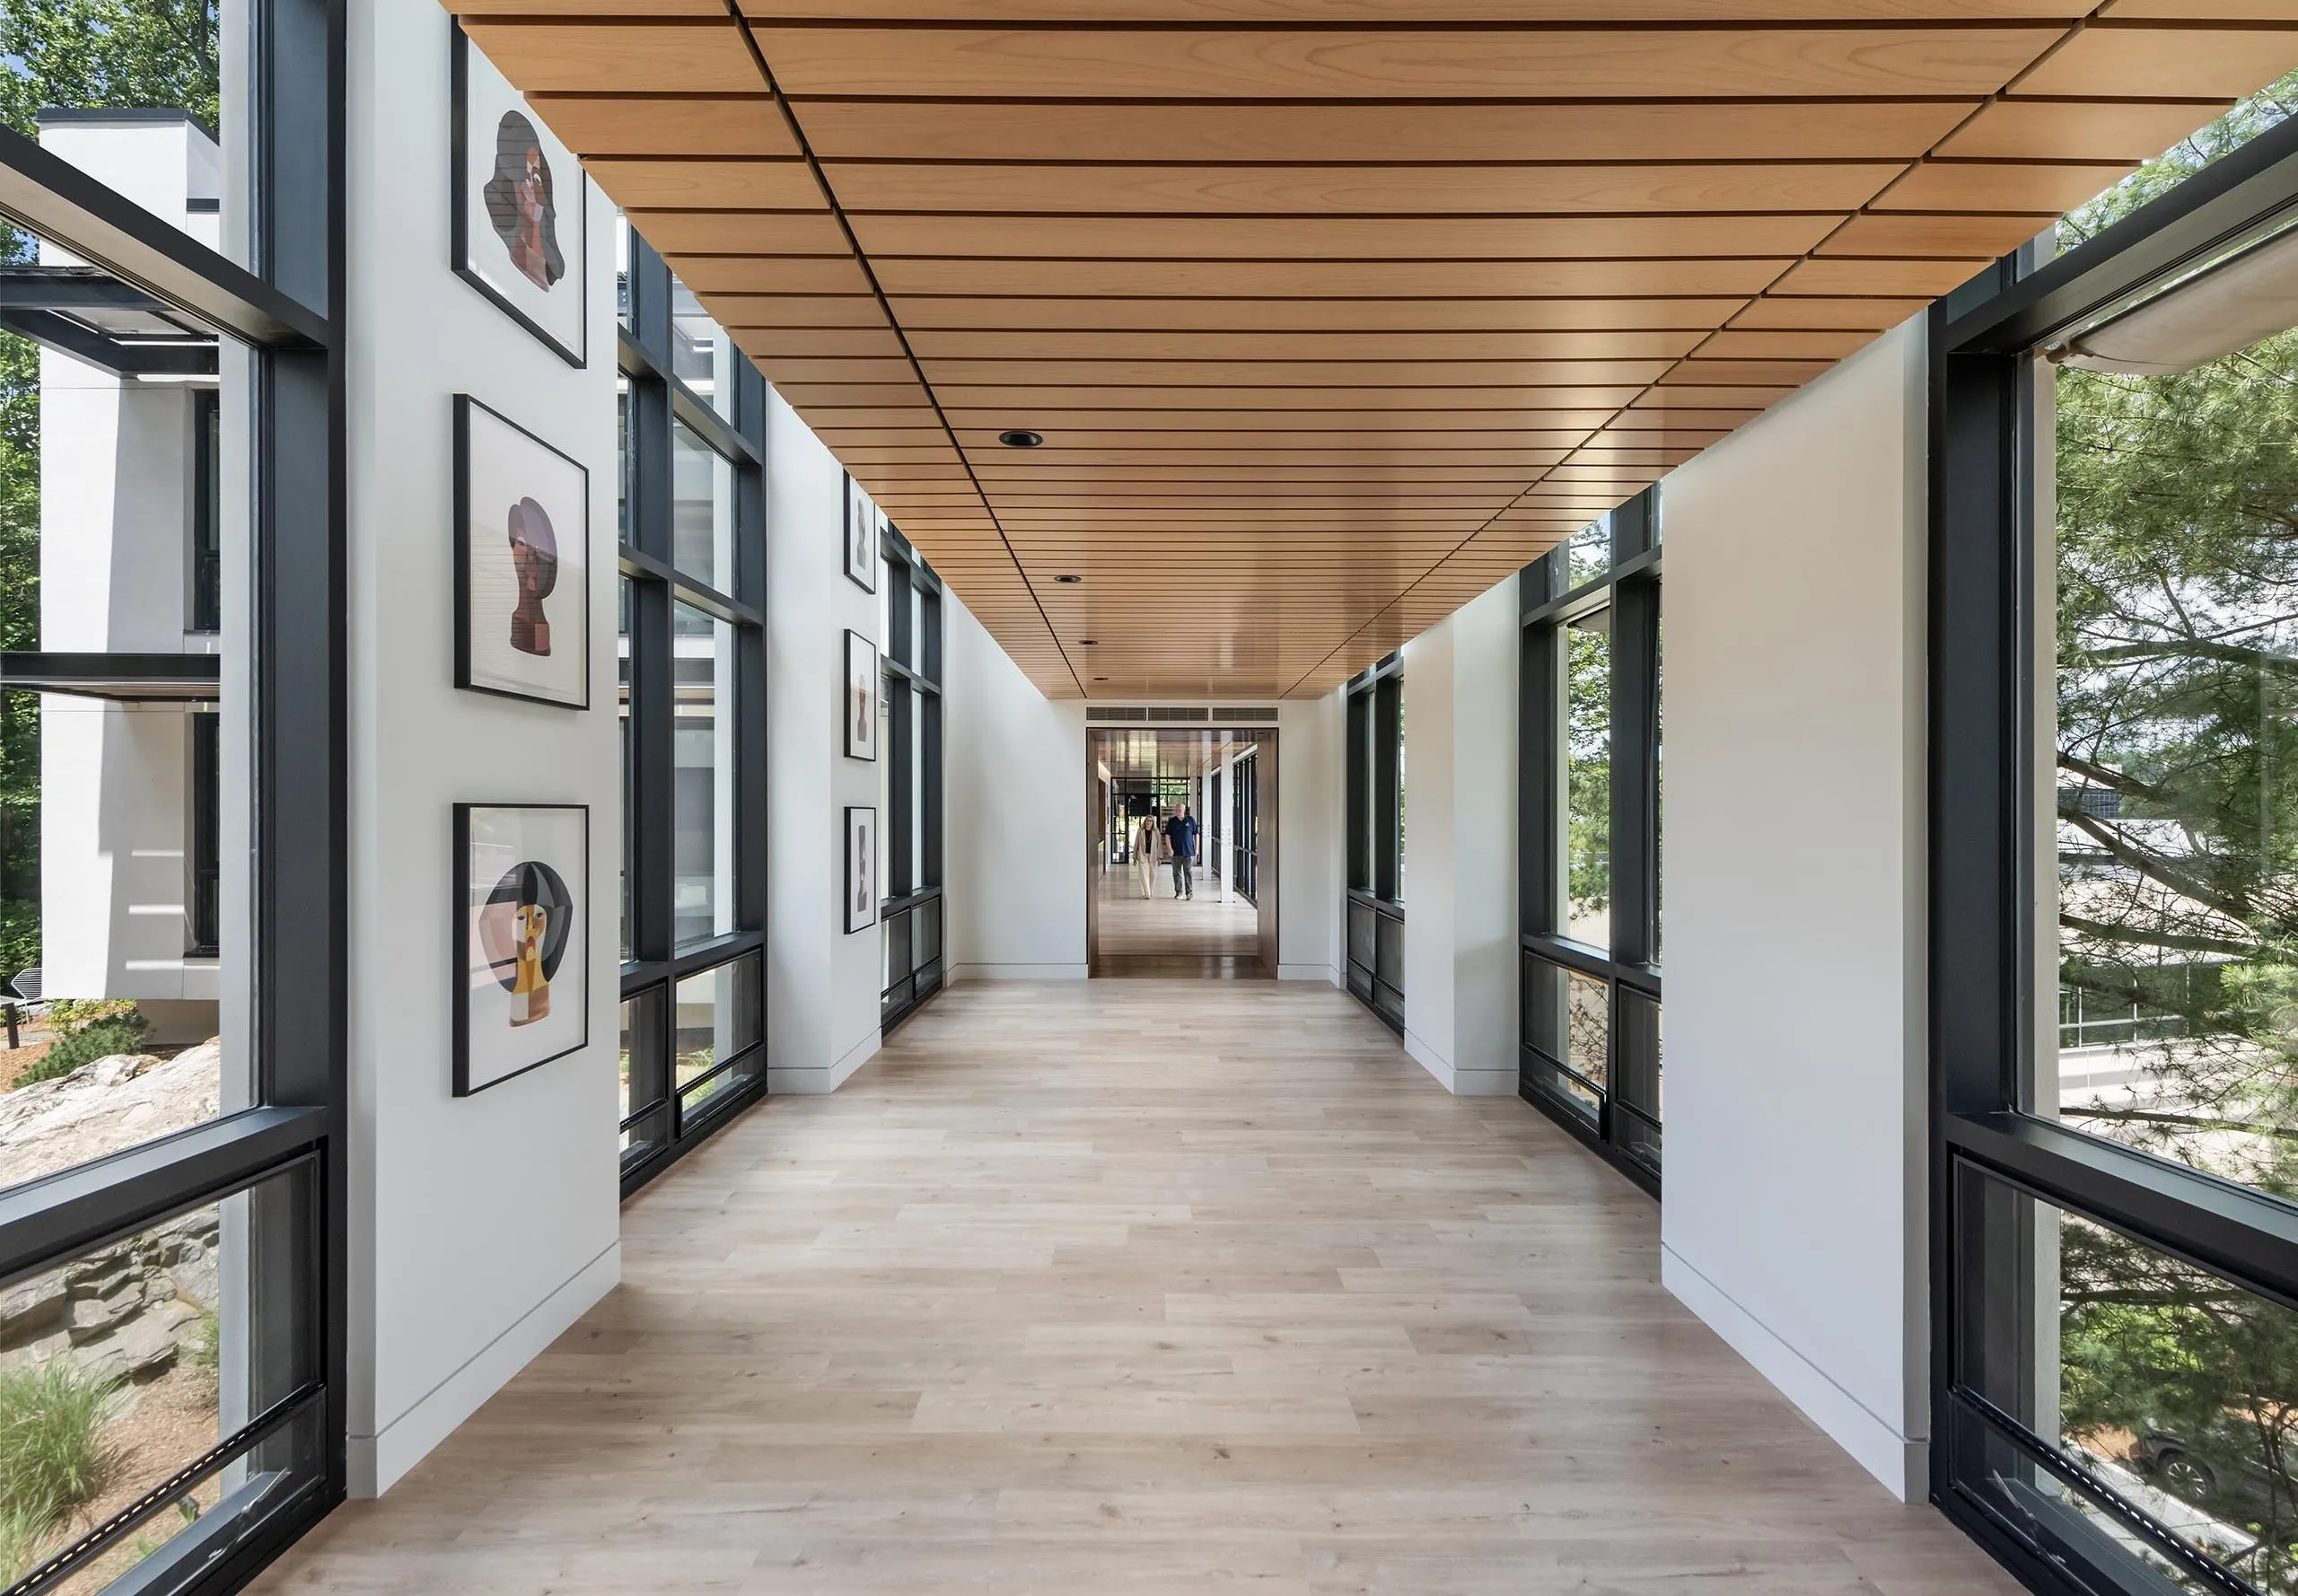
x=861 y=538
x=861 y=869
x=519 y=198
x=523 y=567
x=861 y=712
x=522 y=948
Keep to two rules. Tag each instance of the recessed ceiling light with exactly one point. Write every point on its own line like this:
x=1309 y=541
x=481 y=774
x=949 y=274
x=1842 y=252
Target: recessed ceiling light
x=1021 y=437
x=1072 y=579
x=1087 y=641
x=1101 y=679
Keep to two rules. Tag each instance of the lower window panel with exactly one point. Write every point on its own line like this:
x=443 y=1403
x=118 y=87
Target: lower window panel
x=1542 y=1075
x=2166 y=1396
x=1568 y=1018
x=160 y=1397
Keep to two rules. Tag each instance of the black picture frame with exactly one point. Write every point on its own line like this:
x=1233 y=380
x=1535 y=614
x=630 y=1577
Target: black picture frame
x=857 y=697
x=464 y=406
x=465 y=1083
x=576 y=354
x=861 y=868
x=861 y=531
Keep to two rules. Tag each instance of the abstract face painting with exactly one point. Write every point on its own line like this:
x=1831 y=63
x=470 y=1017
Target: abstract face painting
x=522 y=995
x=519 y=199
x=522 y=588
x=519 y=202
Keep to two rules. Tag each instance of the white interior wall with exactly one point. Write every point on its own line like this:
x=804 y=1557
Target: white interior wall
x=822 y=985
x=1794 y=1221
x=479 y=1227
x=1312 y=757
x=1459 y=845
x=1016 y=824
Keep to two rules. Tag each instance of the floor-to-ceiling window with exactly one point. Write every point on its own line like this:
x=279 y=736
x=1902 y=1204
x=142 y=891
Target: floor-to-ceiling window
x=1244 y=826
x=1374 y=906
x=2114 y=955
x=173 y=762
x=691 y=696
x=909 y=778
x=1589 y=851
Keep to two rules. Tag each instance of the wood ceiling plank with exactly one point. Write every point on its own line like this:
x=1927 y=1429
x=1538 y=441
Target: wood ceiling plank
x=782 y=344
x=934 y=345
x=2038 y=187
x=1013 y=397
x=1869 y=315
x=919 y=312
x=752 y=234
x=1771 y=345
x=1835 y=276
x=1060 y=442
x=1700 y=371
x=1952 y=237
x=1364 y=190
x=827 y=368
x=807 y=397
x=1469 y=63
x=794 y=309
x=1366 y=457
x=1409 y=12
x=984 y=423
x=756 y=184
x=1303 y=373
x=988 y=130
x=1337 y=238
x=1634 y=421
x=621 y=125
x=1348 y=279
x=758 y=274
x=1695 y=397
x=693 y=56
x=2100 y=130
x=2153 y=62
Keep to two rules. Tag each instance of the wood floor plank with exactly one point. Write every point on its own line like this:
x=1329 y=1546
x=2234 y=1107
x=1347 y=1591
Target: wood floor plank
x=1146 y=1287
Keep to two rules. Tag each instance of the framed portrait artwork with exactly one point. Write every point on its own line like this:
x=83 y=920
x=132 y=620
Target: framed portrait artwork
x=861 y=711
x=522 y=566
x=522 y=948
x=861 y=869
x=519 y=198
x=861 y=538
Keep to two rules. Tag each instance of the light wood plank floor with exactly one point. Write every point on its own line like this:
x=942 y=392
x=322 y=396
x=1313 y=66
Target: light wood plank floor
x=1148 y=1288
x=1134 y=934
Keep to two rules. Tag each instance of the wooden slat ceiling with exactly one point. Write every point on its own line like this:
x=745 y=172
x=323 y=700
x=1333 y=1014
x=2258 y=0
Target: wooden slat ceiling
x=1333 y=313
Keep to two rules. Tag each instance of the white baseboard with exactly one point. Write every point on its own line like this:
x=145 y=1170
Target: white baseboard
x=1308 y=972
x=379 y=1461
x=1901 y=1462
x=819 y=1081
x=1016 y=972
x=1459 y=1082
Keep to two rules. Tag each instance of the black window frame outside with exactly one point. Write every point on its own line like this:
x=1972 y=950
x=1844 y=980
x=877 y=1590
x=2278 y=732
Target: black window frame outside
x=1625 y=1124
x=660 y=1126
x=285 y=309
x=1372 y=904
x=1984 y=738
x=911 y=907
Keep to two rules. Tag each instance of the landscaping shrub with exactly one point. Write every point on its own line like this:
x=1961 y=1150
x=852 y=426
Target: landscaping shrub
x=121 y=1034
x=53 y=1454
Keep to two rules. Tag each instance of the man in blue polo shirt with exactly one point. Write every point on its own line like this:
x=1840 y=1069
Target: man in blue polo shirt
x=1180 y=834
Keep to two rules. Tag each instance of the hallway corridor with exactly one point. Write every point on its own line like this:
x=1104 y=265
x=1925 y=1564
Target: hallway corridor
x=1151 y=1287
x=1162 y=935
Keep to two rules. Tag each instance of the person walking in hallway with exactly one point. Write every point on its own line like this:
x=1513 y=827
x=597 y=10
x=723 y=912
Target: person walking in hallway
x=1146 y=839
x=1180 y=836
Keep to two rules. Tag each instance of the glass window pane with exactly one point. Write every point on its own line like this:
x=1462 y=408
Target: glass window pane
x=720 y=1019
x=702 y=511
x=703 y=778
x=622 y=267
x=2177 y=763
x=701 y=354
x=1588 y=554
x=124 y=530
x=1588 y=779
x=2169 y=1387
x=645 y=1081
x=623 y=595
x=121 y=1367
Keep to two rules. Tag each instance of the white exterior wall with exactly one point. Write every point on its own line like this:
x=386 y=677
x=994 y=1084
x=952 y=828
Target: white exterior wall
x=1017 y=816
x=479 y=1227
x=117 y=493
x=1794 y=1216
x=822 y=985
x=1460 y=847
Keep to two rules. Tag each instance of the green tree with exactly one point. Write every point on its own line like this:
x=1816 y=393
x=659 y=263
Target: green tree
x=1588 y=770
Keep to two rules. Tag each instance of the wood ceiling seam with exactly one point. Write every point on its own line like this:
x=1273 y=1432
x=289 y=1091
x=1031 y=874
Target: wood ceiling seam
x=830 y=197
x=2066 y=36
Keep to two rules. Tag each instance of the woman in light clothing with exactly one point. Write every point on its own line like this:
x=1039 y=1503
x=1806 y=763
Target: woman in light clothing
x=1146 y=839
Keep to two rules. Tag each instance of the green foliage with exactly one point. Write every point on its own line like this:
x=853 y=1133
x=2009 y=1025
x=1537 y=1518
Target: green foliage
x=1588 y=770
x=106 y=53
x=102 y=1039
x=68 y=1014
x=53 y=1452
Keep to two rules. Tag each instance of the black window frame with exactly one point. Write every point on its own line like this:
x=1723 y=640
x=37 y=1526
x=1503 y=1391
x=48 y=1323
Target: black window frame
x=1372 y=905
x=912 y=916
x=285 y=308
x=1984 y=738
x=1623 y=1120
x=667 y=1117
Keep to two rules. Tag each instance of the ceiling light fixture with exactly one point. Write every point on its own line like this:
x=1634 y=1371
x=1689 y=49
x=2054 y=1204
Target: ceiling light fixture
x=1087 y=641
x=1021 y=437
x=1069 y=579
